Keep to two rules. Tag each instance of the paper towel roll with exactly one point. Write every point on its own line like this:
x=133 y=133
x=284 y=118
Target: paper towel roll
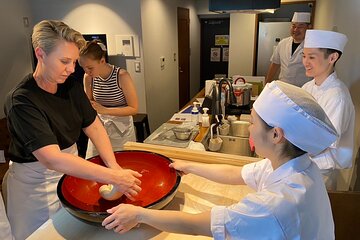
x=208 y=86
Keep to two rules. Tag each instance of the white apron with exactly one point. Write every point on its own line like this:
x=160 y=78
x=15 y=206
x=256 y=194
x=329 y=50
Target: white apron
x=31 y=197
x=5 y=229
x=119 y=129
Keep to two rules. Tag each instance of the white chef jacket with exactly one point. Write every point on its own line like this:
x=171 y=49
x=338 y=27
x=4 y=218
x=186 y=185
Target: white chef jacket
x=290 y=203
x=334 y=97
x=292 y=69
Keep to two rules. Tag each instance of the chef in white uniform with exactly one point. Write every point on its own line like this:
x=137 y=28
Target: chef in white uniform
x=290 y=201
x=288 y=53
x=322 y=50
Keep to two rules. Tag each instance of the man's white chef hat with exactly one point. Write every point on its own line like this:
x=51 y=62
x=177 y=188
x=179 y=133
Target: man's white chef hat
x=304 y=122
x=301 y=17
x=325 y=39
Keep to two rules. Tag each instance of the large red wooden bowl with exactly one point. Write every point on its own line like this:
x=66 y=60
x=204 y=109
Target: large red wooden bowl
x=159 y=184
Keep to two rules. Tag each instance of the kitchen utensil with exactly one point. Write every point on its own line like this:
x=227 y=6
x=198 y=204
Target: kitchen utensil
x=162 y=135
x=214 y=143
x=232 y=118
x=182 y=133
x=242 y=92
x=224 y=129
x=240 y=128
x=159 y=184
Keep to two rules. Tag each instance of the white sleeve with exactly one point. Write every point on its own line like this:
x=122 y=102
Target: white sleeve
x=253 y=172
x=244 y=220
x=275 y=58
x=339 y=154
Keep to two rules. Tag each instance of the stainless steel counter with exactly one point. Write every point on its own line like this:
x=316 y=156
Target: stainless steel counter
x=195 y=194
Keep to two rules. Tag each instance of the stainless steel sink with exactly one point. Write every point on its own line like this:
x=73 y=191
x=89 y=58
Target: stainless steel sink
x=235 y=145
x=231 y=145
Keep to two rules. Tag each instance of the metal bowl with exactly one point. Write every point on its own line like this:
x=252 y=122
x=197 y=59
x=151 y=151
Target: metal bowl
x=182 y=133
x=240 y=128
x=159 y=184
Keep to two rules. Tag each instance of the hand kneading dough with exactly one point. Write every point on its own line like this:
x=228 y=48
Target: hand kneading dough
x=108 y=192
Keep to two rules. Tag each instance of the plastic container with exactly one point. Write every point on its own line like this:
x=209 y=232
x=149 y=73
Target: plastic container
x=182 y=133
x=195 y=114
x=205 y=118
x=231 y=118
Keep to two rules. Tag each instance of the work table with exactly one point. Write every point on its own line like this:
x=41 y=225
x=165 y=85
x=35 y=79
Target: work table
x=195 y=195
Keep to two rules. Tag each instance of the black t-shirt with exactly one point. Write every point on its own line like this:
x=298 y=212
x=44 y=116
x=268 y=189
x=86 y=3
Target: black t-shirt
x=37 y=118
x=294 y=47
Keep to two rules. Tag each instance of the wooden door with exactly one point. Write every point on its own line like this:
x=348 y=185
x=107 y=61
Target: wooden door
x=184 y=55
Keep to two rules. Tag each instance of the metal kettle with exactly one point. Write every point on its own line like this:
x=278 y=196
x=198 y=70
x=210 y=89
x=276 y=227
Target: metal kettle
x=241 y=91
x=216 y=96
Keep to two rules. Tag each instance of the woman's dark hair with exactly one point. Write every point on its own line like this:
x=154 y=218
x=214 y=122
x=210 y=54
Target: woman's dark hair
x=290 y=150
x=328 y=51
x=94 y=49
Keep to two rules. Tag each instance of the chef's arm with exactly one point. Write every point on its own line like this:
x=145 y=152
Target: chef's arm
x=273 y=68
x=177 y=222
x=52 y=157
x=125 y=180
x=340 y=153
x=334 y=157
x=98 y=135
x=221 y=173
x=125 y=216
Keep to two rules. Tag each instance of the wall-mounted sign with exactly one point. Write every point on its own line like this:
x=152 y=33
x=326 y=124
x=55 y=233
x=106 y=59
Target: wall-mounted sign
x=221 y=40
x=215 y=55
x=225 y=55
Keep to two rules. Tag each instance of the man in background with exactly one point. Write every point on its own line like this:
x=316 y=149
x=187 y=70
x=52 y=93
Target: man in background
x=288 y=54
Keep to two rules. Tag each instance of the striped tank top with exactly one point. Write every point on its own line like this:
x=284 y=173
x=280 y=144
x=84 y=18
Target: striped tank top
x=107 y=91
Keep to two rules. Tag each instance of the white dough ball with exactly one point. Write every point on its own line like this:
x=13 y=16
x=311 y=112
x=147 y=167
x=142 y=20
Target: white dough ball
x=108 y=192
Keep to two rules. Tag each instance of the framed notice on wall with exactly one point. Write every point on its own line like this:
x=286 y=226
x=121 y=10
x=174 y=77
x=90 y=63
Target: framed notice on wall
x=225 y=55
x=215 y=55
x=221 y=40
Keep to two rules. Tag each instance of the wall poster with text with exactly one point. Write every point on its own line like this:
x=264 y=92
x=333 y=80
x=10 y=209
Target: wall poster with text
x=221 y=40
x=215 y=55
x=225 y=55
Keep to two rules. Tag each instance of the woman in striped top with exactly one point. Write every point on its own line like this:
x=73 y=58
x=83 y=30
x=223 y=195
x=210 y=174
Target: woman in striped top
x=112 y=94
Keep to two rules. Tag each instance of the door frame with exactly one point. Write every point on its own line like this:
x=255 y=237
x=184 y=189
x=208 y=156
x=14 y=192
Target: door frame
x=183 y=31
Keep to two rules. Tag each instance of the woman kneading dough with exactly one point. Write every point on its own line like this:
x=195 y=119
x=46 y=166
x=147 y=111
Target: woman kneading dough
x=45 y=113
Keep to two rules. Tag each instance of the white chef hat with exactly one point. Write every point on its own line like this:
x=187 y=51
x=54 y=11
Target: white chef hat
x=304 y=122
x=325 y=39
x=301 y=17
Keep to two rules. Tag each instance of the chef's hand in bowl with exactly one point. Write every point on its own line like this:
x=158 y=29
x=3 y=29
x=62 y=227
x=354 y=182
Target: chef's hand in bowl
x=127 y=182
x=123 y=218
